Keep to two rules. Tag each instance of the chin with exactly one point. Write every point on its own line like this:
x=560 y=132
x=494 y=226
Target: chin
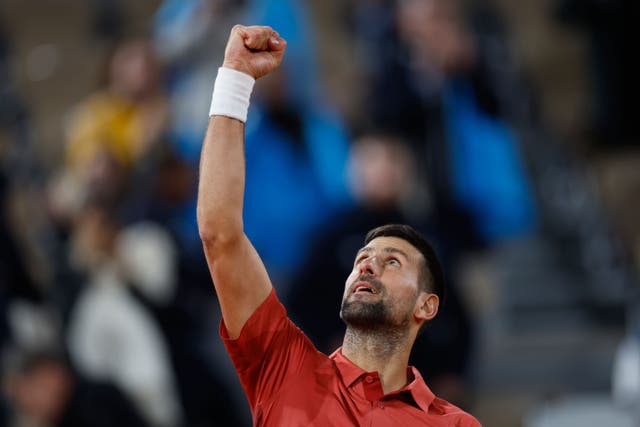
x=360 y=313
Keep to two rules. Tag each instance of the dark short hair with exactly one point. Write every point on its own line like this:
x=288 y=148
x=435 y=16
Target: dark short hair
x=432 y=272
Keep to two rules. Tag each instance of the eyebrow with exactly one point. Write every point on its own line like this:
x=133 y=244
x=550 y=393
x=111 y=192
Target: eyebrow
x=387 y=249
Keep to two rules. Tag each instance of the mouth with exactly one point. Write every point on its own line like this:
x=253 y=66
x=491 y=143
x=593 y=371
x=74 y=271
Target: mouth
x=364 y=287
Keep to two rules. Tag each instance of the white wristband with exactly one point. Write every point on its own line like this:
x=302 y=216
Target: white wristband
x=231 y=94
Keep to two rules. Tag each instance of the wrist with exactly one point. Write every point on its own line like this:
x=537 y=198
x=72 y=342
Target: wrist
x=237 y=66
x=231 y=93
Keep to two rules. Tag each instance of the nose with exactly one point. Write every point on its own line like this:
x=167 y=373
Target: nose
x=370 y=266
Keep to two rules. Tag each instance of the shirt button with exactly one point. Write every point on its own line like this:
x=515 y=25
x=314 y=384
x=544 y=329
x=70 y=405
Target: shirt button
x=368 y=379
x=380 y=405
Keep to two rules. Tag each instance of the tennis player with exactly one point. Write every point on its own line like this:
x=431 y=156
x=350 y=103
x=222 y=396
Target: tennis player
x=394 y=289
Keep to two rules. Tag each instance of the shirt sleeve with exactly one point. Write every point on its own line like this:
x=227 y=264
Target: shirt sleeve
x=472 y=422
x=270 y=350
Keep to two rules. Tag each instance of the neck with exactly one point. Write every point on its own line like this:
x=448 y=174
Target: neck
x=386 y=352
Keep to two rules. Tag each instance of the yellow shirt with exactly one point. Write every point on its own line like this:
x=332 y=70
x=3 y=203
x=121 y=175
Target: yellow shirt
x=104 y=122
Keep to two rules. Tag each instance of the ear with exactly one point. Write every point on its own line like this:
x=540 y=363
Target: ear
x=426 y=306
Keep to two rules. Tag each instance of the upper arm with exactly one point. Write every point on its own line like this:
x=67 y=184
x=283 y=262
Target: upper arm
x=270 y=352
x=240 y=279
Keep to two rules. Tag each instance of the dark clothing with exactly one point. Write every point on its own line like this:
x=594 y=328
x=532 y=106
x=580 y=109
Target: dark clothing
x=99 y=405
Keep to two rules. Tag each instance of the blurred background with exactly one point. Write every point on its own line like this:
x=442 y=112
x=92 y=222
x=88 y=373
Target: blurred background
x=503 y=130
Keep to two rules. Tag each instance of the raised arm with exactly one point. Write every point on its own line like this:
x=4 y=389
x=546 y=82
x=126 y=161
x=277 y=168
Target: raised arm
x=240 y=278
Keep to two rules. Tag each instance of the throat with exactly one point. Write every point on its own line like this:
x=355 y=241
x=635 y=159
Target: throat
x=386 y=352
x=379 y=346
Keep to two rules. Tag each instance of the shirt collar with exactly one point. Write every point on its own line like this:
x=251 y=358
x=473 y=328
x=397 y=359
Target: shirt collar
x=418 y=389
x=349 y=371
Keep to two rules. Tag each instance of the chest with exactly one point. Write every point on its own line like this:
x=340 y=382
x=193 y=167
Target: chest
x=327 y=402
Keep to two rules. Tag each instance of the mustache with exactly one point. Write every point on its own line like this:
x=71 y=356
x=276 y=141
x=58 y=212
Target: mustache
x=375 y=283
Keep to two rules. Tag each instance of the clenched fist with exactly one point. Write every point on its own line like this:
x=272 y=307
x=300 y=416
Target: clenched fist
x=254 y=50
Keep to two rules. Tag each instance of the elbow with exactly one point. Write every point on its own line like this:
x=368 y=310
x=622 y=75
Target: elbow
x=219 y=233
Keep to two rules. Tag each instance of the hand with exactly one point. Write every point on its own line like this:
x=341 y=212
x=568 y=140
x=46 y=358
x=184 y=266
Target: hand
x=255 y=51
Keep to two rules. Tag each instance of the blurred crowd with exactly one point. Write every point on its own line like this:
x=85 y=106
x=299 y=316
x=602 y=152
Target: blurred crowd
x=108 y=315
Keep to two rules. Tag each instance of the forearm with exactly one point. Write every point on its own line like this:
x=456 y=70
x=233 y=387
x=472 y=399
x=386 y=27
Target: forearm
x=221 y=185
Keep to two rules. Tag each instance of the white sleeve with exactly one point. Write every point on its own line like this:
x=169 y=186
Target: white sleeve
x=112 y=337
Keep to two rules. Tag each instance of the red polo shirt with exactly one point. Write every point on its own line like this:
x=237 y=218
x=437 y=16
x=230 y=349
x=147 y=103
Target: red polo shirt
x=290 y=383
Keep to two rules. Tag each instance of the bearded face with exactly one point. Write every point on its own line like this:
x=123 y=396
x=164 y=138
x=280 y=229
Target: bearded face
x=383 y=295
x=367 y=305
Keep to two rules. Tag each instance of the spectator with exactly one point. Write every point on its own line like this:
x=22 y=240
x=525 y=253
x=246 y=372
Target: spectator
x=111 y=335
x=445 y=94
x=46 y=392
x=189 y=36
x=126 y=118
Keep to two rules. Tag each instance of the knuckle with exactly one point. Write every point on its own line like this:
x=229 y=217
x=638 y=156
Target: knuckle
x=253 y=29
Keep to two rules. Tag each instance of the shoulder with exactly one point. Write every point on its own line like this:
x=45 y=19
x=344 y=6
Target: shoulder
x=268 y=332
x=269 y=316
x=458 y=416
x=97 y=102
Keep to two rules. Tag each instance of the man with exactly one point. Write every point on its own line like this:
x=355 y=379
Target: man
x=45 y=391
x=395 y=287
